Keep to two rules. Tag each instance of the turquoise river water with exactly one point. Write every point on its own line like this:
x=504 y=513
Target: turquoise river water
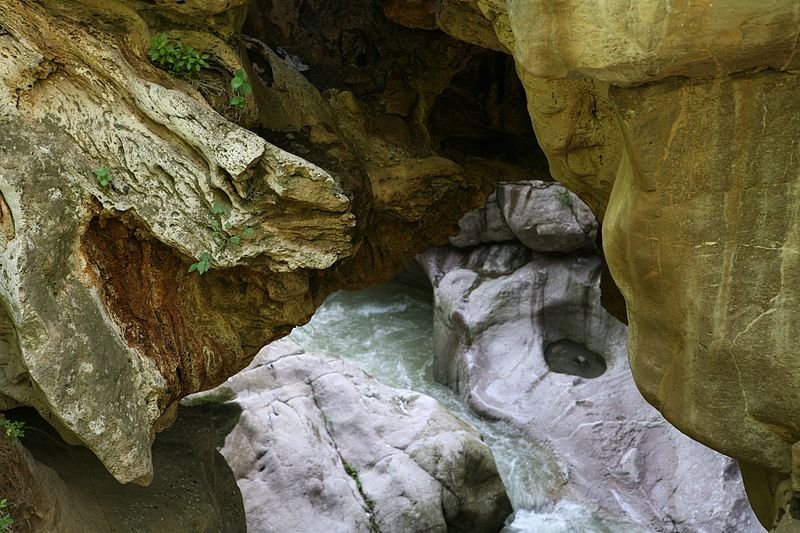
x=387 y=331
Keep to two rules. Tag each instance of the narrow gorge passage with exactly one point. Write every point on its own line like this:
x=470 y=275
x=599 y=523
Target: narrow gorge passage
x=505 y=328
x=388 y=332
x=182 y=183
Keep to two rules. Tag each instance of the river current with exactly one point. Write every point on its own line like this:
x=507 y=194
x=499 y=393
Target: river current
x=388 y=332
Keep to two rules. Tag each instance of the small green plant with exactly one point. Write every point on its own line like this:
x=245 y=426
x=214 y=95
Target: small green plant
x=103 y=176
x=240 y=88
x=202 y=265
x=224 y=230
x=353 y=473
x=564 y=198
x=171 y=55
x=6 y=522
x=225 y=235
x=368 y=502
x=14 y=430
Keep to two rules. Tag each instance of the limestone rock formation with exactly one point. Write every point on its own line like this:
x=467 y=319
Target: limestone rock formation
x=99 y=309
x=522 y=336
x=677 y=124
x=41 y=501
x=545 y=217
x=321 y=446
x=329 y=177
x=485 y=224
x=725 y=282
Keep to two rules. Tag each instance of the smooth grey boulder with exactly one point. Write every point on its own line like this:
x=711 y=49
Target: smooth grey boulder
x=483 y=225
x=492 y=327
x=546 y=217
x=322 y=446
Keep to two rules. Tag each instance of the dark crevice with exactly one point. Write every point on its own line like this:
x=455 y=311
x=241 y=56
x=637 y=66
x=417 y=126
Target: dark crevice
x=567 y=357
x=483 y=114
x=193 y=482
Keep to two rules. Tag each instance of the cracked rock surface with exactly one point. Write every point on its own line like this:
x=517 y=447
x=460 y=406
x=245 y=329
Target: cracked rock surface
x=321 y=446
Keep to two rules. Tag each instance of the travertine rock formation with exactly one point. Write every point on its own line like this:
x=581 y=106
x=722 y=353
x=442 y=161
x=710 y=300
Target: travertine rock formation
x=321 y=446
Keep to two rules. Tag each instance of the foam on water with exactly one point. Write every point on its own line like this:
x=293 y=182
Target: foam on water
x=566 y=517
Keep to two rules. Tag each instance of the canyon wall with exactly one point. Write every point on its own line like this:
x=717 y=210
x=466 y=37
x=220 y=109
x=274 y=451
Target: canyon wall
x=117 y=177
x=678 y=123
x=366 y=137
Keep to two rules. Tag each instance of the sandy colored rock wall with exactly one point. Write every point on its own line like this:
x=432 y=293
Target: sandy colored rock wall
x=677 y=123
x=328 y=177
x=701 y=235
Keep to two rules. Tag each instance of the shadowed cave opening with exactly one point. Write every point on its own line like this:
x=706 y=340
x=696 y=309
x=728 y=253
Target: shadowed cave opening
x=420 y=90
x=193 y=489
x=483 y=115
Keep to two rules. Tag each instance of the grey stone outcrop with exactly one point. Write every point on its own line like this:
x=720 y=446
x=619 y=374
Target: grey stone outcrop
x=321 y=446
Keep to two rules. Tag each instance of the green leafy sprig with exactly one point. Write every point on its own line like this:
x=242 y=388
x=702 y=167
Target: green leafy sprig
x=240 y=88
x=171 y=55
x=103 y=176
x=225 y=234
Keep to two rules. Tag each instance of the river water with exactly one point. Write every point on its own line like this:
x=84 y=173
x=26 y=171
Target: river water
x=388 y=332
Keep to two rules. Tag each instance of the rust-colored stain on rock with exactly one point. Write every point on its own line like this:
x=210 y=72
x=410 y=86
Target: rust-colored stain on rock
x=197 y=329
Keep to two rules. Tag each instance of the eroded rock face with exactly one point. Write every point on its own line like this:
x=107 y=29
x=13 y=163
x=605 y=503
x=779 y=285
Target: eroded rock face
x=103 y=328
x=322 y=446
x=629 y=44
x=724 y=281
x=543 y=216
x=36 y=497
x=99 y=307
x=700 y=236
x=546 y=218
x=523 y=337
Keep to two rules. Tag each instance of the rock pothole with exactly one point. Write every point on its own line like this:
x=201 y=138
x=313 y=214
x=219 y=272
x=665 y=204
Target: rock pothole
x=567 y=357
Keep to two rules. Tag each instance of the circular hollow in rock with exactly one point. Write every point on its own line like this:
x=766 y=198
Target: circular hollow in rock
x=567 y=357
